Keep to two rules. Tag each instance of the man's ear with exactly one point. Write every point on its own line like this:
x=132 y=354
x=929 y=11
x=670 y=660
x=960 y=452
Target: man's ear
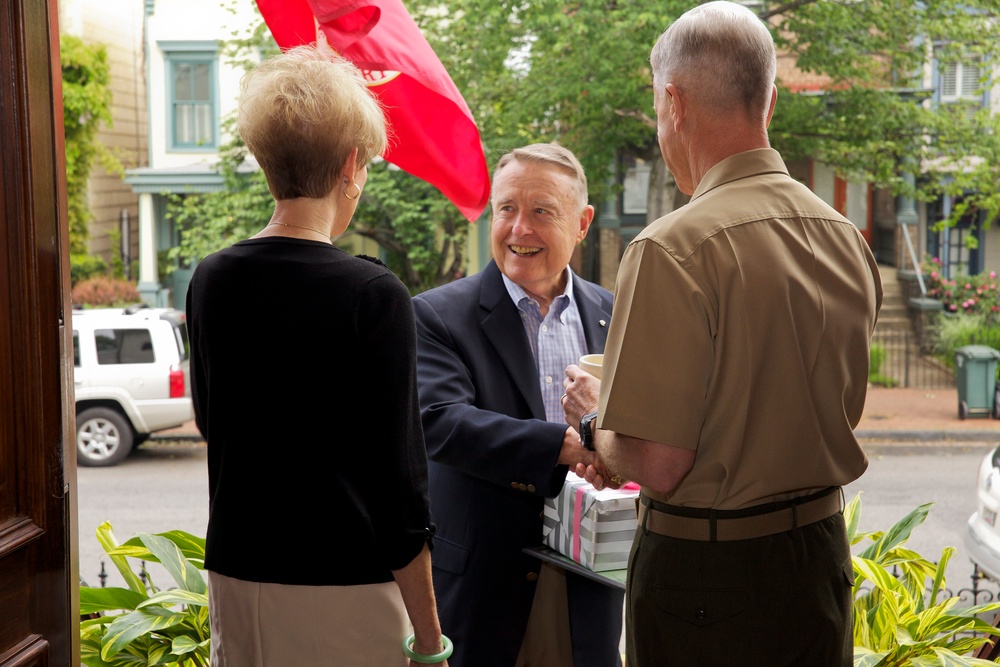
x=770 y=108
x=676 y=105
x=586 y=217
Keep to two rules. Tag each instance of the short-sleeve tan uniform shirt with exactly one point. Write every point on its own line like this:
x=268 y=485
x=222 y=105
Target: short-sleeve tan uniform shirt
x=741 y=330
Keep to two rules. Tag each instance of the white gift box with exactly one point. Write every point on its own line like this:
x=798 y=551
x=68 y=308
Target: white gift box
x=594 y=528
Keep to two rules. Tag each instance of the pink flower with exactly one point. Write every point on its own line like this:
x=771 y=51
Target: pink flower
x=934 y=275
x=968 y=286
x=993 y=274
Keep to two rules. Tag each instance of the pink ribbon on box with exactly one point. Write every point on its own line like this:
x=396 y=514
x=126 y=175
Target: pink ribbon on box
x=581 y=491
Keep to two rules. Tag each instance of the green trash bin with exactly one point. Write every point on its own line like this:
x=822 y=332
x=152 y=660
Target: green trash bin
x=975 y=370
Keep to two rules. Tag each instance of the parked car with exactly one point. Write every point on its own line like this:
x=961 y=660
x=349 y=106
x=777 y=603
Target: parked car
x=982 y=536
x=131 y=379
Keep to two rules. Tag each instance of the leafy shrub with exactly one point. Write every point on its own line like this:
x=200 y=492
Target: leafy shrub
x=82 y=267
x=105 y=291
x=899 y=621
x=876 y=357
x=950 y=332
x=152 y=627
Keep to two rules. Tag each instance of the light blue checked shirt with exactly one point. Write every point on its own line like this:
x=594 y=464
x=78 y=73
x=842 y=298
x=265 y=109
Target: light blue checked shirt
x=556 y=340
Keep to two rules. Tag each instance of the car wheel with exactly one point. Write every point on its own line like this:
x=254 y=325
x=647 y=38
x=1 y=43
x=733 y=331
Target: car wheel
x=103 y=437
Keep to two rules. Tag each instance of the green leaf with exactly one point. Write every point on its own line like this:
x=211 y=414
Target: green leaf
x=176 y=596
x=192 y=547
x=93 y=600
x=184 y=644
x=864 y=657
x=169 y=555
x=128 y=627
x=898 y=534
x=106 y=537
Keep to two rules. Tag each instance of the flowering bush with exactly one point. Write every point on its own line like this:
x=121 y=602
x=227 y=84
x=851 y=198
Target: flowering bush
x=973 y=295
x=105 y=291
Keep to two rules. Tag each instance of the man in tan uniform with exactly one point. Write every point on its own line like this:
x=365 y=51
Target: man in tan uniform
x=734 y=374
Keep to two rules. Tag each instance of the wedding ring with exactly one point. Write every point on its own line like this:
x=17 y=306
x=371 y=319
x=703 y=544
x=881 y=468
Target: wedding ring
x=617 y=479
x=562 y=398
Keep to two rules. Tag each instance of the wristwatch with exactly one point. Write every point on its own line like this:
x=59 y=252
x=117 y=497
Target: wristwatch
x=586 y=432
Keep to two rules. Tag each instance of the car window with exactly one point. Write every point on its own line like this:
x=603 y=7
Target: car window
x=124 y=346
x=76 y=349
x=181 y=336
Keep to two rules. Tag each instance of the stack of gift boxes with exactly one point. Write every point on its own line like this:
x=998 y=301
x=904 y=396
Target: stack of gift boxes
x=594 y=528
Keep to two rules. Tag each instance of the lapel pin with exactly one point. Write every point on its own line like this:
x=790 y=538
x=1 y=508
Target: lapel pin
x=602 y=323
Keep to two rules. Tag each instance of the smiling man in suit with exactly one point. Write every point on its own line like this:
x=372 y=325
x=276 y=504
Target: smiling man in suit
x=492 y=349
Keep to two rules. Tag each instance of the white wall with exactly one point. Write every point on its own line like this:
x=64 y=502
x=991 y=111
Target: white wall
x=191 y=21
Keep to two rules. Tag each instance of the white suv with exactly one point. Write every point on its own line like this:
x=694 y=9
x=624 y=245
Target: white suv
x=131 y=379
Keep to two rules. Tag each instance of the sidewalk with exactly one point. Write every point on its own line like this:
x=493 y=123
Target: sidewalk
x=922 y=415
x=910 y=415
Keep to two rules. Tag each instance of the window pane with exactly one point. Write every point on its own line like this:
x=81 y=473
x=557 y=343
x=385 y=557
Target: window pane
x=183 y=85
x=949 y=79
x=970 y=79
x=183 y=124
x=124 y=346
x=76 y=349
x=201 y=85
x=203 y=121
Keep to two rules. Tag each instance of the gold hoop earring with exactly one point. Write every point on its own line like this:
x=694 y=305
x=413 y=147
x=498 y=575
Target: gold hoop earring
x=356 y=194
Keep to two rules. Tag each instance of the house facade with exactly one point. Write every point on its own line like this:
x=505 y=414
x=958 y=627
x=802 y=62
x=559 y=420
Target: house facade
x=191 y=88
x=118 y=26
x=179 y=87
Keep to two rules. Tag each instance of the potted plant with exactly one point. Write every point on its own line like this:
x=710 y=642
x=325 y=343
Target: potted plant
x=141 y=624
x=899 y=621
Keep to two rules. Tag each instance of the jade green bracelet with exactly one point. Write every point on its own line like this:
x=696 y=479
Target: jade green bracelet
x=424 y=658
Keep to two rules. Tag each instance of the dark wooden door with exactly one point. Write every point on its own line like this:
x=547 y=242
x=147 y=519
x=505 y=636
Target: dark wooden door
x=39 y=580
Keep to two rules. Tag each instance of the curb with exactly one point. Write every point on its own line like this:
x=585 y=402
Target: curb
x=928 y=435
x=167 y=436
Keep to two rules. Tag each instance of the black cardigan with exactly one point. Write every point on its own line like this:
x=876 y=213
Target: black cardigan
x=304 y=387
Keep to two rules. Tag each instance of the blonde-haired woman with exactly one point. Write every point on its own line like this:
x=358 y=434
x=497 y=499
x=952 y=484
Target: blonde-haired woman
x=303 y=380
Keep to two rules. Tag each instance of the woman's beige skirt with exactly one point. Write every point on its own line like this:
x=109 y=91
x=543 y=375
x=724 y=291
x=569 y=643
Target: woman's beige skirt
x=273 y=625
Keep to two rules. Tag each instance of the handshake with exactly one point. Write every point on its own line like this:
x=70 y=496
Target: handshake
x=579 y=403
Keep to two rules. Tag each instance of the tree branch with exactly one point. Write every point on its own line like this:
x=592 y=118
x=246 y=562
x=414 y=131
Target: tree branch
x=787 y=7
x=628 y=113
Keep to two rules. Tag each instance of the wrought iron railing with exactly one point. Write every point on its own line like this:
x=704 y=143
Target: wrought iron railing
x=905 y=364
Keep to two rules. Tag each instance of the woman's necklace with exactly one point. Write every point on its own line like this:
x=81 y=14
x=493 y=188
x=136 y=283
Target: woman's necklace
x=310 y=229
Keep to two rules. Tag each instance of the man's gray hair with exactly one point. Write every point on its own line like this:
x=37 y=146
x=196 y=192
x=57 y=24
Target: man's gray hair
x=722 y=54
x=551 y=154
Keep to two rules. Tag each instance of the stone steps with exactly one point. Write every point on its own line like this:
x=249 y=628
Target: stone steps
x=894 y=315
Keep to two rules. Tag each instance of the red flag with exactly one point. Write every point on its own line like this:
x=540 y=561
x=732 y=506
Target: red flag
x=434 y=136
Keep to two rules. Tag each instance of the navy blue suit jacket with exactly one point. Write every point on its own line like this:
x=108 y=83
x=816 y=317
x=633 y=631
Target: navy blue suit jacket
x=492 y=462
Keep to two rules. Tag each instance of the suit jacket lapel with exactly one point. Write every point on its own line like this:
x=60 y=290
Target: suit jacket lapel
x=503 y=327
x=593 y=315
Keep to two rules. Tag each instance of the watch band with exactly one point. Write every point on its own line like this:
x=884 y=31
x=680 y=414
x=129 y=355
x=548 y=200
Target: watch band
x=586 y=431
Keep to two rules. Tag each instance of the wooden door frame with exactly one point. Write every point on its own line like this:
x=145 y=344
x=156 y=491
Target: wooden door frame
x=39 y=573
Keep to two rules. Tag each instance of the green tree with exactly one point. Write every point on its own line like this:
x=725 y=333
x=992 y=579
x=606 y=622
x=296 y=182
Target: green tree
x=420 y=233
x=86 y=104
x=578 y=73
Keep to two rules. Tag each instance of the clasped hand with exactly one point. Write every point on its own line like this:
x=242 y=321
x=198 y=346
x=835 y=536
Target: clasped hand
x=582 y=395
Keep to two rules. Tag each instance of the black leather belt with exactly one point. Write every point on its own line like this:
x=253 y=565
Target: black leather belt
x=708 y=525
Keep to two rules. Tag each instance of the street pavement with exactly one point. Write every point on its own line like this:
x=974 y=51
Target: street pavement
x=908 y=415
x=892 y=416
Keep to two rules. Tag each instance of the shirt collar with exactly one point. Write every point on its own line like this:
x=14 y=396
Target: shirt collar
x=516 y=292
